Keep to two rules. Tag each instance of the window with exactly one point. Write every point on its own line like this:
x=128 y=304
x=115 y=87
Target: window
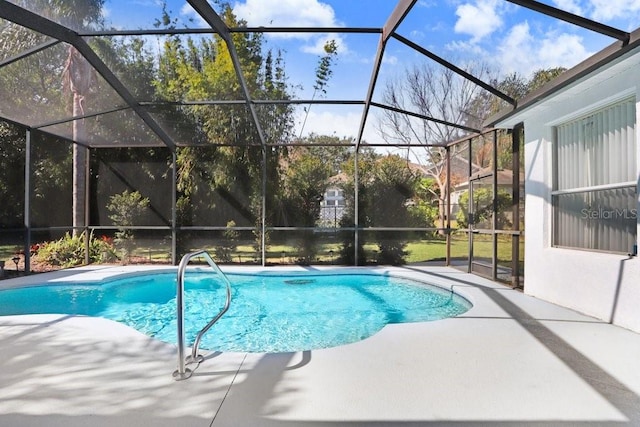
x=595 y=191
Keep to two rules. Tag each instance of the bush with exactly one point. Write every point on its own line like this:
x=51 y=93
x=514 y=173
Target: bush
x=125 y=208
x=392 y=252
x=483 y=201
x=69 y=250
x=225 y=250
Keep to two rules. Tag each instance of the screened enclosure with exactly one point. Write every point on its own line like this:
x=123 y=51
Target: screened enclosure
x=130 y=142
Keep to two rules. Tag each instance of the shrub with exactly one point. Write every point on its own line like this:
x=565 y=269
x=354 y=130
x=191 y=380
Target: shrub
x=125 y=208
x=483 y=202
x=224 y=251
x=307 y=248
x=69 y=250
x=392 y=252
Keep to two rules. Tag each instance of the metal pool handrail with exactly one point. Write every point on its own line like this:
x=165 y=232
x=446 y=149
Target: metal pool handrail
x=182 y=372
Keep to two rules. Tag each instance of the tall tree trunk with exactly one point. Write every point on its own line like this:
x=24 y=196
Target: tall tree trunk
x=80 y=159
x=77 y=79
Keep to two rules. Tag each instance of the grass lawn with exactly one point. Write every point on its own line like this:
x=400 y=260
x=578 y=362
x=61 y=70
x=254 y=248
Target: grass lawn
x=328 y=251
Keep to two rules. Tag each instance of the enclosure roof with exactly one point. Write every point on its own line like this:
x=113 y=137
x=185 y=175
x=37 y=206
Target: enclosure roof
x=119 y=111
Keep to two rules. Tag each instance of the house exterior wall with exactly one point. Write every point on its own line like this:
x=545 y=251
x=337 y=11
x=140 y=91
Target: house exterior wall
x=332 y=207
x=604 y=285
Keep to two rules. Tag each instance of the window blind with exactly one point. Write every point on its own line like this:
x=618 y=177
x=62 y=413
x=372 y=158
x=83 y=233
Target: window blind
x=595 y=191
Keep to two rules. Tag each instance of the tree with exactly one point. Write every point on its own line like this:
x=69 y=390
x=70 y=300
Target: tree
x=323 y=74
x=331 y=150
x=51 y=177
x=78 y=78
x=483 y=207
x=32 y=84
x=306 y=179
x=437 y=93
x=125 y=209
x=486 y=104
x=386 y=186
x=542 y=77
x=221 y=179
x=515 y=85
x=424 y=206
x=441 y=94
x=389 y=192
x=12 y=157
x=366 y=164
x=224 y=250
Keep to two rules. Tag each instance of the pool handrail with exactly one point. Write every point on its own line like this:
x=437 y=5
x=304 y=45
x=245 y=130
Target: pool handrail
x=182 y=372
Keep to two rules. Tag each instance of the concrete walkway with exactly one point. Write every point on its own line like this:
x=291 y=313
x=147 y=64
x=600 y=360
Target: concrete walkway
x=511 y=360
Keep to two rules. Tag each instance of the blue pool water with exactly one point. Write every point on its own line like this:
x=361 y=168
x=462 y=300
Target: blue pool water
x=268 y=313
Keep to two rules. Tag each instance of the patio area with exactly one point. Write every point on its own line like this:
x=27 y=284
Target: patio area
x=510 y=360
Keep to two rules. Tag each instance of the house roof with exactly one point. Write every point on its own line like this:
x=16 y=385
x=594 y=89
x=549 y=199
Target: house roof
x=504 y=177
x=459 y=167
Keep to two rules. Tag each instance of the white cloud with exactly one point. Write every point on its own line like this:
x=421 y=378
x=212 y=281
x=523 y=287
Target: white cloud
x=279 y=13
x=286 y=13
x=605 y=10
x=345 y=124
x=416 y=34
x=571 y=6
x=517 y=38
x=106 y=12
x=294 y=13
x=564 y=50
x=427 y=3
x=389 y=59
x=189 y=13
x=525 y=53
x=466 y=48
x=316 y=45
x=479 y=19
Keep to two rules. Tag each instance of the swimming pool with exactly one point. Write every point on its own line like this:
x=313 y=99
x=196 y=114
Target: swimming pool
x=270 y=312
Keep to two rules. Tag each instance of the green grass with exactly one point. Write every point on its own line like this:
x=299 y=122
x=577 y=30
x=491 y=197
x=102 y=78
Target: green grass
x=427 y=250
x=328 y=252
x=8 y=251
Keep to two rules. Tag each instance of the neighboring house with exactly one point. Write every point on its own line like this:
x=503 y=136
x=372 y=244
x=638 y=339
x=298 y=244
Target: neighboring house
x=582 y=166
x=333 y=203
x=483 y=178
x=460 y=169
x=332 y=207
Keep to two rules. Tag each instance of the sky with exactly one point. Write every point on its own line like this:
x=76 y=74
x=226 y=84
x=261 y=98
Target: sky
x=506 y=37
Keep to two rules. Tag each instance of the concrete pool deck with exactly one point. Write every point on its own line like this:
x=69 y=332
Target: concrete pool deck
x=511 y=360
